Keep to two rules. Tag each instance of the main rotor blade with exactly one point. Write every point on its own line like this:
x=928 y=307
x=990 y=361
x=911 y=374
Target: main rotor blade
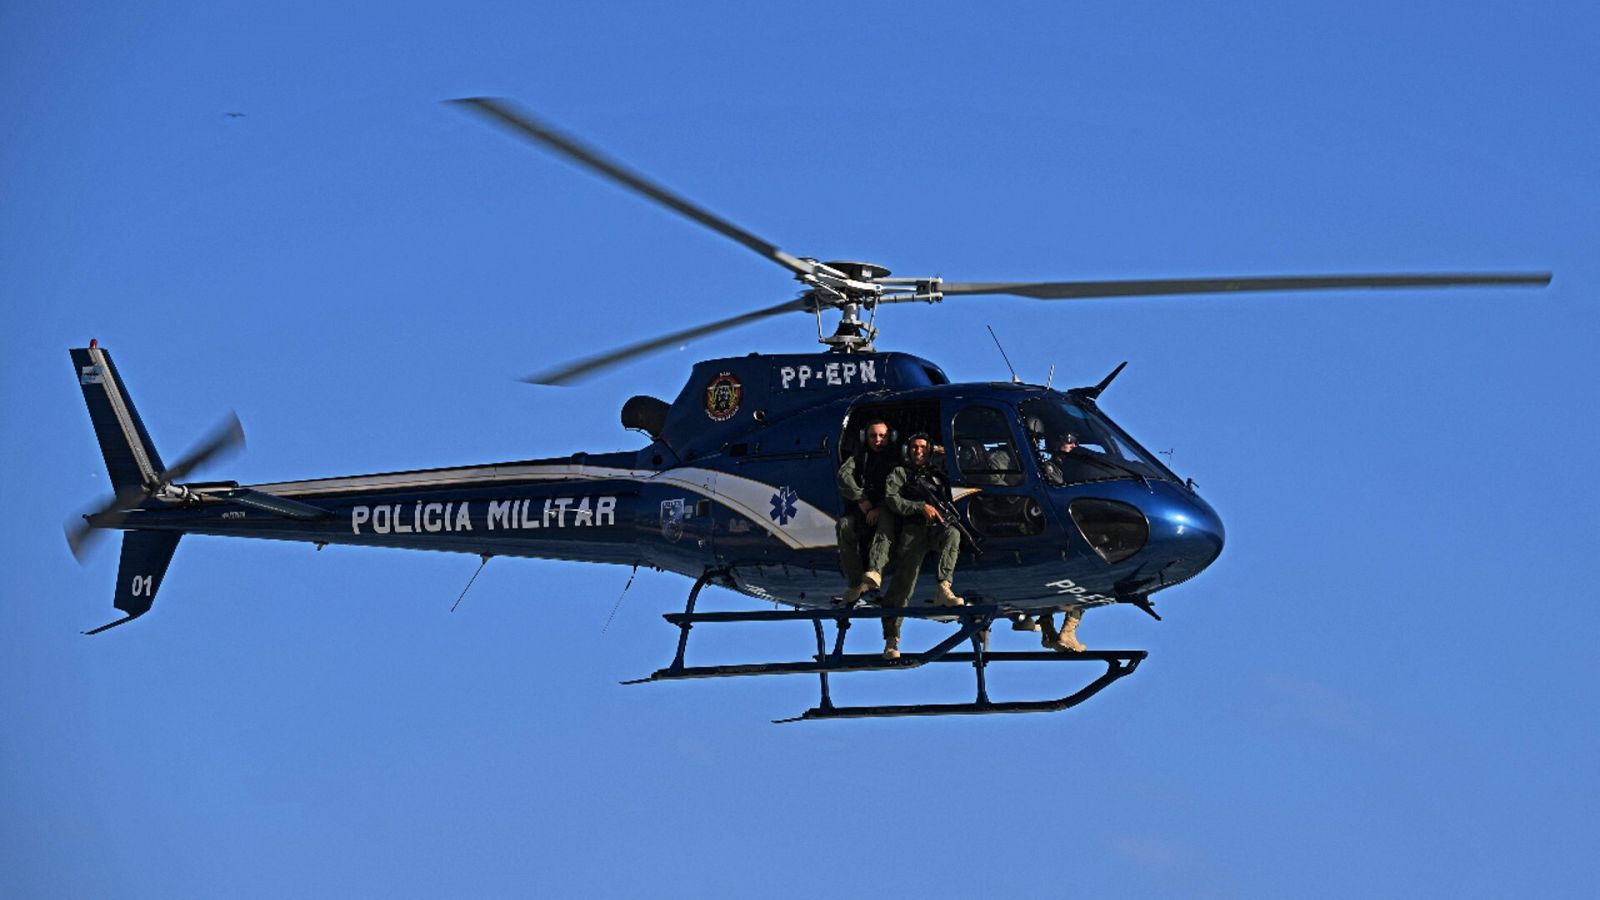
x=226 y=437
x=1079 y=290
x=503 y=113
x=583 y=369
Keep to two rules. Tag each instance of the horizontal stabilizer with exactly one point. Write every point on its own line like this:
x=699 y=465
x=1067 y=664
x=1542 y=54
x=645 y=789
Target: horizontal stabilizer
x=272 y=503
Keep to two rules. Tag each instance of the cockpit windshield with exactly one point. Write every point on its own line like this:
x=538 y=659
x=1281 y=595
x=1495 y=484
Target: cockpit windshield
x=1077 y=443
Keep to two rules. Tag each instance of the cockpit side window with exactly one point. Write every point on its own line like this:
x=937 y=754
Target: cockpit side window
x=1076 y=443
x=985 y=451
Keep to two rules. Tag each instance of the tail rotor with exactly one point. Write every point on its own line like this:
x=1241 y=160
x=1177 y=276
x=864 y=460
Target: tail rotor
x=83 y=533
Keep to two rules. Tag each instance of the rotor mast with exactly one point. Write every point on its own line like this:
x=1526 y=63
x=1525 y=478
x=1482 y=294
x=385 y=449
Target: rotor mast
x=849 y=287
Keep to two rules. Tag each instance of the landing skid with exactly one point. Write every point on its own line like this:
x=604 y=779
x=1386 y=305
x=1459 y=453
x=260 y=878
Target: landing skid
x=973 y=624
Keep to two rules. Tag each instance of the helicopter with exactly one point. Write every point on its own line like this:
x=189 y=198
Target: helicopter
x=736 y=485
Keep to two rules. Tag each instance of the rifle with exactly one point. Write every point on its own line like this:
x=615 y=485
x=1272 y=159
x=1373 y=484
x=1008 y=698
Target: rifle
x=935 y=497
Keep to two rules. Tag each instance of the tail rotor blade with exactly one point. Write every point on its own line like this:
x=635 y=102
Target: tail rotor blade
x=83 y=533
x=81 y=538
x=225 y=438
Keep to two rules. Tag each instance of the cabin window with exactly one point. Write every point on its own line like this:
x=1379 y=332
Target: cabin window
x=985 y=451
x=1005 y=515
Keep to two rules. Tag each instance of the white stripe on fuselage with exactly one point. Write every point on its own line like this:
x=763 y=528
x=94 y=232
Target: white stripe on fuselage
x=809 y=528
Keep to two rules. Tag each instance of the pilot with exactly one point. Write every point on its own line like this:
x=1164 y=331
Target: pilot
x=922 y=530
x=867 y=524
x=1051 y=464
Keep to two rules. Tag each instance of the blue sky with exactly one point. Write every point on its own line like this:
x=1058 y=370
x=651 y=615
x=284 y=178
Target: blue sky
x=1381 y=688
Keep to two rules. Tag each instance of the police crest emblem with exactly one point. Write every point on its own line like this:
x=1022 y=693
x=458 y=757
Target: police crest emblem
x=672 y=519
x=722 y=397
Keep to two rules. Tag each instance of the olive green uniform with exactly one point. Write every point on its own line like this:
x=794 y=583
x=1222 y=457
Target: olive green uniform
x=918 y=537
x=852 y=526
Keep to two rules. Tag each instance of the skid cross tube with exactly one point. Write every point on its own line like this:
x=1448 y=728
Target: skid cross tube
x=974 y=622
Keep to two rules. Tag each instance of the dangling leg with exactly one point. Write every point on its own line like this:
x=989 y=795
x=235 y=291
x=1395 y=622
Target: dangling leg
x=1065 y=640
x=1068 y=638
x=1049 y=636
x=891 y=638
x=850 y=563
x=949 y=550
x=910 y=548
x=879 y=551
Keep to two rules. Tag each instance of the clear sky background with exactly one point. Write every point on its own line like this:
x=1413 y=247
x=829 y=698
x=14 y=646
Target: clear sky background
x=1385 y=686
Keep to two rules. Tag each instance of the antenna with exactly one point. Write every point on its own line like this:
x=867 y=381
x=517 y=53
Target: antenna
x=485 y=557
x=619 y=598
x=1014 y=378
x=1052 y=377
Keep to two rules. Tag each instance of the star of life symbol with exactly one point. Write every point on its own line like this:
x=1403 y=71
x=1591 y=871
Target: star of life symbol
x=783 y=505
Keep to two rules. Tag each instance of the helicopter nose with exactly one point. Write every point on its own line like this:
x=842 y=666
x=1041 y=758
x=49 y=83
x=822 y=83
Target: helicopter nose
x=1157 y=524
x=1187 y=532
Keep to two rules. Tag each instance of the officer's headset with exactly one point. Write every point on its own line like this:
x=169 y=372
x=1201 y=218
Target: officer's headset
x=905 y=449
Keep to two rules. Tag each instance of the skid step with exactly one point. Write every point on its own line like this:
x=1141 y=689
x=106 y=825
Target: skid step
x=821 y=663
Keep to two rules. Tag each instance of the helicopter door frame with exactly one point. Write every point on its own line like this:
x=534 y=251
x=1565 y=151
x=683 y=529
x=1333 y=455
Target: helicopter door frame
x=1005 y=503
x=904 y=417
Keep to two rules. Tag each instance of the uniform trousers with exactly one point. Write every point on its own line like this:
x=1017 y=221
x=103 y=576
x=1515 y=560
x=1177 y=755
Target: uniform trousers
x=854 y=533
x=916 y=540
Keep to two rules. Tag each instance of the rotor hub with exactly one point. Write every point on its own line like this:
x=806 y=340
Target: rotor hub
x=859 y=271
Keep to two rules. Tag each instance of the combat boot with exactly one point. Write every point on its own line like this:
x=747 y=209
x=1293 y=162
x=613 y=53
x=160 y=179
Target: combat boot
x=943 y=596
x=1050 y=636
x=849 y=598
x=1067 y=639
x=891 y=648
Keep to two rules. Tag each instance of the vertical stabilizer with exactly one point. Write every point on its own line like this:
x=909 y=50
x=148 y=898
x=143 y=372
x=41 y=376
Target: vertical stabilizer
x=130 y=455
x=145 y=555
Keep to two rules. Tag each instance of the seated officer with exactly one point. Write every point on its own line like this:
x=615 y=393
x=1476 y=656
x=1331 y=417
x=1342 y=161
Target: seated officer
x=922 y=530
x=866 y=525
x=1052 y=462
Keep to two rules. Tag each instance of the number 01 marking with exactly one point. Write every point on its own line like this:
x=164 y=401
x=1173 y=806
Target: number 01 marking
x=144 y=585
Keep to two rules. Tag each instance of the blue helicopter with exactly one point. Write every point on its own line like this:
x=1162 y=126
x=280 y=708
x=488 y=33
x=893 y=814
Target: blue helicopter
x=736 y=487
